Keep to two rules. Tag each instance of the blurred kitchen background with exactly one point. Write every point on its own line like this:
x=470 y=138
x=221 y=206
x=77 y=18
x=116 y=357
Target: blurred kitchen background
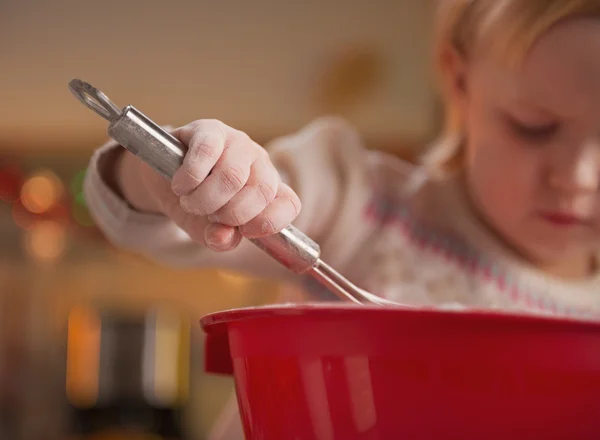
x=94 y=341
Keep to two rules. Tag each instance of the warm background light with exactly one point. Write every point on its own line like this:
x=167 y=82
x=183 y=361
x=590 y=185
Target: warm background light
x=46 y=241
x=41 y=192
x=83 y=356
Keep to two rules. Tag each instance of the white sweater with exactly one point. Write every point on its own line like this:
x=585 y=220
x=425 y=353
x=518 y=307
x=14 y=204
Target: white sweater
x=382 y=222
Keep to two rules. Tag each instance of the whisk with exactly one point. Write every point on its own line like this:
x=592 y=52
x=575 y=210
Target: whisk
x=164 y=153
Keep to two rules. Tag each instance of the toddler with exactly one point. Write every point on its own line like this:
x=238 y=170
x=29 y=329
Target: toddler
x=503 y=212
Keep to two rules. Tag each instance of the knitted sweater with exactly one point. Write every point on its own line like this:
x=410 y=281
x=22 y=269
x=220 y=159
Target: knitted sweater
x=384 y=223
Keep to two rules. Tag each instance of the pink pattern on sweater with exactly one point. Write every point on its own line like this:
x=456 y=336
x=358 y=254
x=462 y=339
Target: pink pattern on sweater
x=456 y=250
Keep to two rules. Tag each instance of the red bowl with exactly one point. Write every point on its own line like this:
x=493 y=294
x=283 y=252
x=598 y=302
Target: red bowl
x=357 y=372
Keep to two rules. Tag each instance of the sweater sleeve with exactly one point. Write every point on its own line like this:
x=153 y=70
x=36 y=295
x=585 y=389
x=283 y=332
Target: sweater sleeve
x=325 y=163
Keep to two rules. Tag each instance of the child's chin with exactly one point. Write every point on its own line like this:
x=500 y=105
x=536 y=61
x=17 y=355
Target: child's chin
x=557 y=253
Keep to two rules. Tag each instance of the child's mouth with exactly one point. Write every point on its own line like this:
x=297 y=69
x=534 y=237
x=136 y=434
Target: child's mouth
x=562 y=219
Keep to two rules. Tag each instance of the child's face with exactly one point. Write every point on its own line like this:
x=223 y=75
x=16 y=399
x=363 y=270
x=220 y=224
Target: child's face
x=533 y=142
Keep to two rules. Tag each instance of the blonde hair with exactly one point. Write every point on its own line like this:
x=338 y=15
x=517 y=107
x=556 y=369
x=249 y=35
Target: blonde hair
x=506 y=27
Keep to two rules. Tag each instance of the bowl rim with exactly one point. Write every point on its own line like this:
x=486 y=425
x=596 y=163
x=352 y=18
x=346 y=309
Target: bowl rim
x=323 y=309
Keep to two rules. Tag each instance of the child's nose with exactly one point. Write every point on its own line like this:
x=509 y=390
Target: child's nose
x=578 y=171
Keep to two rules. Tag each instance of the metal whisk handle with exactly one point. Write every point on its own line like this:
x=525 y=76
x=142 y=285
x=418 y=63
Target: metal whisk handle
x=162 y=151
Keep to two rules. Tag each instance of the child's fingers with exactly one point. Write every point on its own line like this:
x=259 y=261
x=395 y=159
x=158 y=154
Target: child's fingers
x=199 y=228
x=227 y=178
x=170 y=205
x=206 y=140
x=226 y=181
x=279 y=214
x=221 y=238
x=259 y=192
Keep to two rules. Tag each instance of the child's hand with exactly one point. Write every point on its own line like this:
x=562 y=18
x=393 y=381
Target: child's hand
x=226 y=181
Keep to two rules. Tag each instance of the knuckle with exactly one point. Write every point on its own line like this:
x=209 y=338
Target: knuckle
x=263 y=154
x=233 y=178
x=206 y=146
x=240 y=135
x=196 y=125
x=236 y=217
x=206 y=124
x=268 y=226
x=219 y=128
x=296 y=205
x=267 y=191
x=213 y=127
x=243 y=140
x=292 y=198
x=186 y=179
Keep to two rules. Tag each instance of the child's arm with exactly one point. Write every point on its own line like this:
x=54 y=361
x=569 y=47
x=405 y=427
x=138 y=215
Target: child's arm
x=325 y=163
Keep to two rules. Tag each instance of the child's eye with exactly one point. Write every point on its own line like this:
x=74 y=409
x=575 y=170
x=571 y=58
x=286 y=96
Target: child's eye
x=533 y=132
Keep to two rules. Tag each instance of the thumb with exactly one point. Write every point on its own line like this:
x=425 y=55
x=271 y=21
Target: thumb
x=221 y=238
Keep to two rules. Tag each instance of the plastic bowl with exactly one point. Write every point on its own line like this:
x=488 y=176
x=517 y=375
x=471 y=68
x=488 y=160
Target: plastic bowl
x=353 y=372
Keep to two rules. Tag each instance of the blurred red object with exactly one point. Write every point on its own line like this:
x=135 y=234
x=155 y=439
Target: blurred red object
x=363 y=372
x=11 y=180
